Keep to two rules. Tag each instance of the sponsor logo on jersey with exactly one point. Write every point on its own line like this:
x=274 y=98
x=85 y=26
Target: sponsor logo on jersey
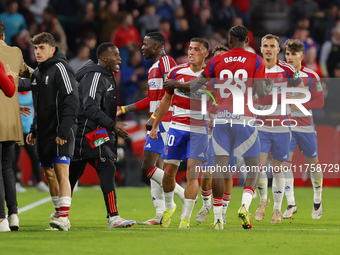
x=201 y=155
x=148 y=146
x=319 y=86
x=34 y=82
x=63 y=158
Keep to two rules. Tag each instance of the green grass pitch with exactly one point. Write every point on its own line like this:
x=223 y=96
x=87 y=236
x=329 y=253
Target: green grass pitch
x=88 y=234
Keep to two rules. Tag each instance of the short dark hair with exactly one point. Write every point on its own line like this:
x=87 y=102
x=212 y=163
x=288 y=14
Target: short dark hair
x=270 y=36
x=219 y=48
x=2 y=27
x=201 y=40
x=44 y=38
x=239 y=32
x=156 y=36
x=293 y=46
x=103 y=47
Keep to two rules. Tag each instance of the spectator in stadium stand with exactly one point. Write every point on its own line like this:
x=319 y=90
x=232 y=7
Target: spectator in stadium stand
x=239 y=22
x=179 y=14
x=332 y=102
x=165 y=8
x=311 y=61
x=303 y=8
x=180 y=39
x=14 y=21
x=244 y=7
x=90 y=41
x=301 y=33
x=330 y=53
x=89 y=23
x=200 y=24
x=51 y=25
x=110 y=18
x=131 y=75
x=126 y=34
x=10 y=133
x=225 y=14
x=81 y=58
x=149 y=21
x=164 y=29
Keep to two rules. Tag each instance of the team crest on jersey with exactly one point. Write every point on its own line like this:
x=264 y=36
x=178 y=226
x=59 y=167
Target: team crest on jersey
x=280 y=77
x=295 y=76
x=46 y=80
x=319 y=86
x=166 y=150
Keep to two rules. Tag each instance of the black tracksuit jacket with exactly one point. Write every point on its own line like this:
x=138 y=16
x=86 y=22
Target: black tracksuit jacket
x=98 y=106
x=56 y=103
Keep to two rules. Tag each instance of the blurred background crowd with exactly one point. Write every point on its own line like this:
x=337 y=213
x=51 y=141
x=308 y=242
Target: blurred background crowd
x=79 y=26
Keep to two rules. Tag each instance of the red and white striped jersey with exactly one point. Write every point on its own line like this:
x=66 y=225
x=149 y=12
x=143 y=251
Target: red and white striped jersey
x=311 y=80
x=157 y=75
x=284 y=75
x=187 y=113
x=239 y=68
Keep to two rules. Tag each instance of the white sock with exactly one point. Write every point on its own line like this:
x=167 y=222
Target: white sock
x=247 y=197
x=218 y=213
x=262 y=186
x=317 y=181
x=206 y=197
x=218 y=206
x=289 y=187
x=157 y=194
x=225 y=207
x=188 y=207
x=169 y=200
x=55 y=201
x=226 y=200
x=179 y=191
x=278 y=189
x=157 y=176
x=64 y=206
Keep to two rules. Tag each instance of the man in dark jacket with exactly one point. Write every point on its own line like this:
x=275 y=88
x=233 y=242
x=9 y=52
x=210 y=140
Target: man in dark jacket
x=96 y=139
x=56 y=102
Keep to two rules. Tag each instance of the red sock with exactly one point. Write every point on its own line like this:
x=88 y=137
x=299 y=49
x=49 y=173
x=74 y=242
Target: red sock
x=217 y=201
x=63 y=211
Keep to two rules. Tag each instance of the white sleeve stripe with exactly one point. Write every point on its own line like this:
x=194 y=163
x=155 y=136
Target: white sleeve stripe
x=65 y=77
x=311 y=71
x=166 y=64
x=288 y=65
x=94 y=85
x=91 y=88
